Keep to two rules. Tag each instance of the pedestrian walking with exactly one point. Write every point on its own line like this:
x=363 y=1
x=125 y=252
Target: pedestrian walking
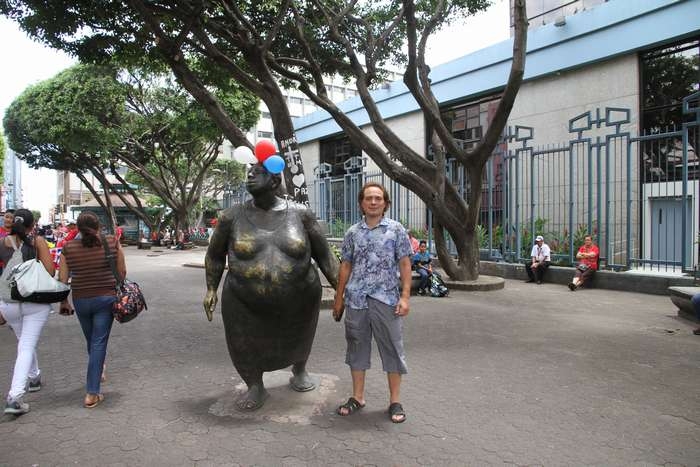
x=26 y=319
x=94 y=292
x=375 y=252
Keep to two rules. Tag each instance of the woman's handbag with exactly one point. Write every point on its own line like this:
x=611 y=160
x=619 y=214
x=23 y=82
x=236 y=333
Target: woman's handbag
x=130 y=301
x=30 y=282
x=583 y=267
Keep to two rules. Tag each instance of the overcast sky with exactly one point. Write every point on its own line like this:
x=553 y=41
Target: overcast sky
x=25 y=62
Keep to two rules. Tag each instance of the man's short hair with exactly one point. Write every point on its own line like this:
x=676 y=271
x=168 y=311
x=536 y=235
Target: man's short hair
x=385 y=194
x=422 y=242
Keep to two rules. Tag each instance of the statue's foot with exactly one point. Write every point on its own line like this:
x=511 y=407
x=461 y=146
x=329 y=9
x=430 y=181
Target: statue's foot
x=253 y=399
x=302 y=382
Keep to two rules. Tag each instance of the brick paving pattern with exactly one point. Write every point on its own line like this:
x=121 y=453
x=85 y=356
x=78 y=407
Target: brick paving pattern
x=530 y=375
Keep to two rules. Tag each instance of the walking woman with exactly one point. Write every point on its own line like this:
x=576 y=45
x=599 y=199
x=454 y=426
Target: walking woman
x=26 y=319
x=93 y=286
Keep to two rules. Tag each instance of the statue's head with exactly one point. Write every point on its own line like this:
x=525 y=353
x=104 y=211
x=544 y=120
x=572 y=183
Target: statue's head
x=260 y=180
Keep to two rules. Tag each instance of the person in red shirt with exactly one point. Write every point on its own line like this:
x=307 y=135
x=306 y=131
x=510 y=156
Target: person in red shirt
x=8 y=220
x=588 y=256
x=72 y=232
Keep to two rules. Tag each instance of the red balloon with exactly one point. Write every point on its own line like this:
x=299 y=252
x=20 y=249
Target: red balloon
x=264 y=149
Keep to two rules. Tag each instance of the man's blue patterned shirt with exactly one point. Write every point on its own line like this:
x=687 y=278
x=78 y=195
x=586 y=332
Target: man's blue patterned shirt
x=374 y=255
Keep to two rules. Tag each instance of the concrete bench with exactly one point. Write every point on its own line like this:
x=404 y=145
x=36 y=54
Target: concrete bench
x=680 y=296
x=610 y=280
x=143 y=245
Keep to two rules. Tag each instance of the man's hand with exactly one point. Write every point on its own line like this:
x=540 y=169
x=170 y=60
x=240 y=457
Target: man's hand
x=338 y=307
x=210 y=300
x=534 y=265
x=402 y=307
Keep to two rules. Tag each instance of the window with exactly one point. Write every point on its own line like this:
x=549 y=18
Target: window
x=668 y=75
x=540 y=12
x=336 y=151
x=266 y=115
x=264 y=134
x=468 y=122
x=295 y=100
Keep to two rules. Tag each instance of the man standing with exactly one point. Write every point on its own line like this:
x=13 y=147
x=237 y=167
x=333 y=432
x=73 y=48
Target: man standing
x=540 y=255
x=375 y=252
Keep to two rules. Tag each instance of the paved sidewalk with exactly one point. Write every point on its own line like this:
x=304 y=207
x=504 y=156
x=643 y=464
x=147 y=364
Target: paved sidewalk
x=529 y=375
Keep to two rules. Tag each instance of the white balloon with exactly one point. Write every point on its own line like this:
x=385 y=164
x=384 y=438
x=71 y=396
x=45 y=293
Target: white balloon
x=244 y=155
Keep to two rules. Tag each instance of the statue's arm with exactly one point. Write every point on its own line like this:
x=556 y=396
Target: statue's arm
x=215 y=260
x=320 y=251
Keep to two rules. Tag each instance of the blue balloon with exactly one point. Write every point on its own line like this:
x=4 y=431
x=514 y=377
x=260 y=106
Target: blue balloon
x=274 y=164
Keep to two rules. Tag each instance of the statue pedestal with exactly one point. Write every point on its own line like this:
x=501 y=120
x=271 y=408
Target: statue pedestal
x=284 y=405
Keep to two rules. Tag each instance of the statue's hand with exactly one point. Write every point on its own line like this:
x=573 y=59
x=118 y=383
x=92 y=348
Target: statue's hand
x=210 y=303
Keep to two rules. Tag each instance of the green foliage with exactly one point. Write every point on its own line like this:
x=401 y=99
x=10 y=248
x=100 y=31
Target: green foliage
x=264 y=43
x=420 y=234
x=37 y=216
x=558 y=241
x=337 y=228
x=482 y=233
x=92 y=117
x=336 y=251
x=69 y=122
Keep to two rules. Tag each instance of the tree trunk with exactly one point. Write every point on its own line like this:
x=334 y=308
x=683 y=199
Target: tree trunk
x=469 y=251
x=107 y=202
x=294 y=178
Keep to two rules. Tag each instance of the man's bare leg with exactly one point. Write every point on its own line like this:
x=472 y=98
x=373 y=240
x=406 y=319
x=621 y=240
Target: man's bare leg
x=395 y=393
x=394 y=387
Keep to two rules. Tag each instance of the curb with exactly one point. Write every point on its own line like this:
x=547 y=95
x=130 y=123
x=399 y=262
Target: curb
x=483 y=284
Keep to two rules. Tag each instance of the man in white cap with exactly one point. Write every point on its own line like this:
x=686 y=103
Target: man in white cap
x=540 y=260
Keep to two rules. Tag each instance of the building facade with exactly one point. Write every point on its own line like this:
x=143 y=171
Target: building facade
x=12 y=196
x=600 y=139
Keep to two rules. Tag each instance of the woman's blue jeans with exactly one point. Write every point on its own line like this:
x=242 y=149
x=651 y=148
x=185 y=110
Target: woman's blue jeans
x=95 y=316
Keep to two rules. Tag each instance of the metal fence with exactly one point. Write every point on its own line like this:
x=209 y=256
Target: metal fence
x=335 y=199
x=637 y=195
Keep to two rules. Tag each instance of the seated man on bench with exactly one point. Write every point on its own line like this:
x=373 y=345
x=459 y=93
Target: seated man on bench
x=421 y=263
x=588 y=256
x=540 y=261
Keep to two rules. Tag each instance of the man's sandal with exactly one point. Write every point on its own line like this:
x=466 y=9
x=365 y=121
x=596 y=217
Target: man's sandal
x=352 y=406
x=396 y=410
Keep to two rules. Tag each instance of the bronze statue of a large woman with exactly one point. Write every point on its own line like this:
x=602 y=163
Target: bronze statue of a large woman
x=272 y=293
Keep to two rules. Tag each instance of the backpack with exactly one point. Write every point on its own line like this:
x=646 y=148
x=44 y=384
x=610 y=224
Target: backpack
x=6 y=277
x=437 y=287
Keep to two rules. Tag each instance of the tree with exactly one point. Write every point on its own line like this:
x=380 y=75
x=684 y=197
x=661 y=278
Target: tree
x=59 y=124
x=298 y=43
x=172 y=145
x=86 y=120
